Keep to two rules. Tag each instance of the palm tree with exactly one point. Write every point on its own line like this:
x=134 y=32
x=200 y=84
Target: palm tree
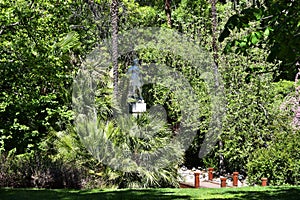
x=114 y=23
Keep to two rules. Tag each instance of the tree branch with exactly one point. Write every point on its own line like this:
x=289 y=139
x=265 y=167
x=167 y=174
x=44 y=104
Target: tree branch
x=8 y=26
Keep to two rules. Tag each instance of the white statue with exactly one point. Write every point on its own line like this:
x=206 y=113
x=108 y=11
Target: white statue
x=135 y=84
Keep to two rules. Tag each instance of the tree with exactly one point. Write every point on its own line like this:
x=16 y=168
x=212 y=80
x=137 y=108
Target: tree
x=274 y=22
x=216 y=72
x=35 y=71
x=250 y=109
x=168 y=12
x=114 y=23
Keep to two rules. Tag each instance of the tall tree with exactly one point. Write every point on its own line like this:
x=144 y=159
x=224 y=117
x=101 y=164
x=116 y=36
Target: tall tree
x=114 y=23
x=168 y=12
x=35 y=70
x=217 y=84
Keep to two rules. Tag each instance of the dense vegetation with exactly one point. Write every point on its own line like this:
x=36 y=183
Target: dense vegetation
x=254 y=48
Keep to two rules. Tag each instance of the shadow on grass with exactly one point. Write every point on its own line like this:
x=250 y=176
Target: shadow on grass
x=271 y=193
x=32 y=194
x=247 y=193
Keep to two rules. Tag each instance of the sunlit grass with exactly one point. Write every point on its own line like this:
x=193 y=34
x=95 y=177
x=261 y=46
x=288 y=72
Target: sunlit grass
x=164 y=193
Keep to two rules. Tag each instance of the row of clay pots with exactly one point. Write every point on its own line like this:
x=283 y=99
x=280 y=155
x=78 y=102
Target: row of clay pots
x=223 y=179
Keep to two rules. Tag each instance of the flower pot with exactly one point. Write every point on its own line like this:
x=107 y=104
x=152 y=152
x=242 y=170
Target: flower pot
x=210 y=173
x=235 y=179
x=264 y=181
x=197 y=179
x=223 y=182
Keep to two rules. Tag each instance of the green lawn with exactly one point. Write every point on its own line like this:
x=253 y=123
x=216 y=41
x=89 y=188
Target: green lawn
x=203 y=193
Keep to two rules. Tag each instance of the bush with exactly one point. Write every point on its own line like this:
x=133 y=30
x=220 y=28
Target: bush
x=279 y=162
x=40 y=171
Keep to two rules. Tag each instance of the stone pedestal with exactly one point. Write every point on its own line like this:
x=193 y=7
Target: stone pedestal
x=137 y=107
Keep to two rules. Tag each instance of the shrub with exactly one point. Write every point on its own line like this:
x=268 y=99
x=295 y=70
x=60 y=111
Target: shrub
x=40 y=171
x=279 y=162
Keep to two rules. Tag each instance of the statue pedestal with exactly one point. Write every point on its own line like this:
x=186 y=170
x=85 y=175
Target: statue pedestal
x=137 y=107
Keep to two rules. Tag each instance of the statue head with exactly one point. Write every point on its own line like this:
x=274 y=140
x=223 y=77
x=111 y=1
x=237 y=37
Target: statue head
x=136 y=61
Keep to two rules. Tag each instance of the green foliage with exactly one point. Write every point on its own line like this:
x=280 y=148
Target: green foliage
x=271 y=23
x=122 y=144
x=135 y=14
x=35 y=70
x=195 y=23
x=284 y=88
x=111 y=146
x=38 y=170
x=60 y=161
x=43 y=43
x=250 y=109
x=279 y=161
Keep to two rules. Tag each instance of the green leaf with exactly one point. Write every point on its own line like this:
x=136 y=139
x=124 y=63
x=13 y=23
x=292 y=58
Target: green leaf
x=258 y=14
x=254 y=39
x=243 y=44
x=267 y=32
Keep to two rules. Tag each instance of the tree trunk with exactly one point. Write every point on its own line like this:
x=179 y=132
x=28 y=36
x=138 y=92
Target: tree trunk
x=217 y=84
x=214 y=30
x=114 y=23
x=168 y=12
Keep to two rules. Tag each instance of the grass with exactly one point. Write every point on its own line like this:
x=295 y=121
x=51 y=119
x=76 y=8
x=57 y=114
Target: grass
x=165 y=193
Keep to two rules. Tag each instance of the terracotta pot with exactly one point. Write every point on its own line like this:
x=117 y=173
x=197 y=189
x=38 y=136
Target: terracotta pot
x=210 y=173
x=223 y=182
x=264 y=181
x=235 y=178
x=197 y=179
